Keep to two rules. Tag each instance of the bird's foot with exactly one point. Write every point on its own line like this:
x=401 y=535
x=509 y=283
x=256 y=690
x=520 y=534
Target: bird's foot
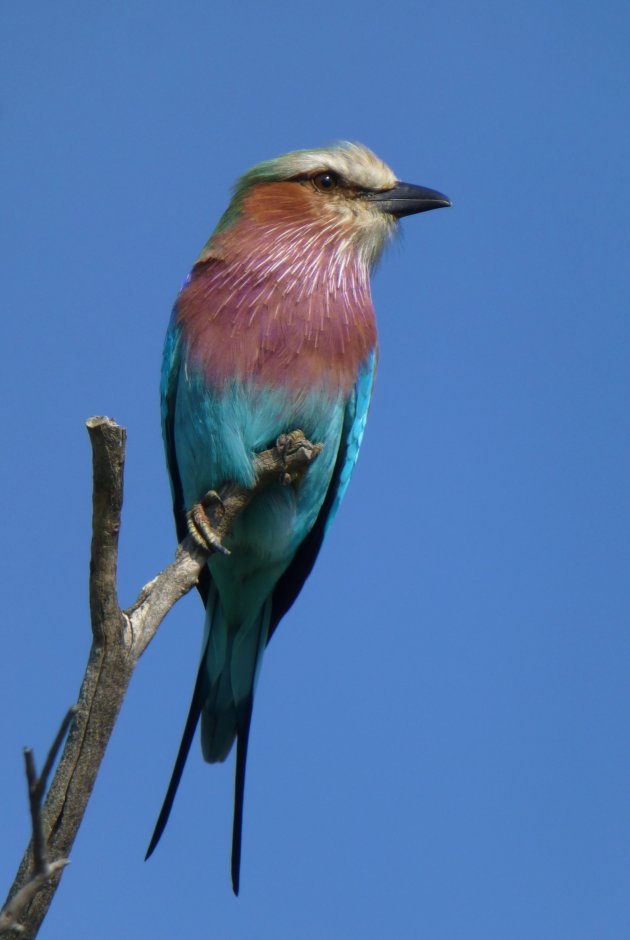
x=200 y=527
x=302 y=453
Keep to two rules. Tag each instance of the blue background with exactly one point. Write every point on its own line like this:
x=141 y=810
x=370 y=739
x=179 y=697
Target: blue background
x=440 y=739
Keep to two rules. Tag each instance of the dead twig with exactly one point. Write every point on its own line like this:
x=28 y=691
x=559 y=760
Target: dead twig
x=42 y=868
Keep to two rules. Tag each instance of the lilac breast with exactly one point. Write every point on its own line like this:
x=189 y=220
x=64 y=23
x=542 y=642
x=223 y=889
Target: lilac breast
x=297 y=319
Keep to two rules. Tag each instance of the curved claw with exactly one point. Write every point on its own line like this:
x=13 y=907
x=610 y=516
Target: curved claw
x=200 y=527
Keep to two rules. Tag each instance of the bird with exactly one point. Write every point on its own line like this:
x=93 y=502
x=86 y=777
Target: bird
x=273 y=330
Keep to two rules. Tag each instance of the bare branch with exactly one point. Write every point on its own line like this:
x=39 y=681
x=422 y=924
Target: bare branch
x=108 y=460
x=12 y=912
x=52 y=753
x=40 y=855
x=42 y=869
x=156 y=598
x=119 y=639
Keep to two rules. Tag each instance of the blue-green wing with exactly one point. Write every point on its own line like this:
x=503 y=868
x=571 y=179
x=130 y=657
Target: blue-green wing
x=169 y=383
x=290 y=584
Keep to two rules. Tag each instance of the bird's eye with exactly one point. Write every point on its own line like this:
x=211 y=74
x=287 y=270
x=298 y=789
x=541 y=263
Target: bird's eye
x=326 y=182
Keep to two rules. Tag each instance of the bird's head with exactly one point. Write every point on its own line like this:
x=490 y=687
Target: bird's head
x=343 y=195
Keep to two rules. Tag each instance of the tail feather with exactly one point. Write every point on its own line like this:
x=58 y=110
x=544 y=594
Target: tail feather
x=244 y=707
x=223 y=697
x=194 y=711
x=233 y=660
x=218 y=715
x=242 y=742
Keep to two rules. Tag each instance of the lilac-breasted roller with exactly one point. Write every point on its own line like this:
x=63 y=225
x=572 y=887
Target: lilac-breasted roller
x=273 y=331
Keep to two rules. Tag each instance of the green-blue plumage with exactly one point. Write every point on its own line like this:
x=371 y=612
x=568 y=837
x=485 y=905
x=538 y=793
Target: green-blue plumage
x=273 y=331
x=211 y=436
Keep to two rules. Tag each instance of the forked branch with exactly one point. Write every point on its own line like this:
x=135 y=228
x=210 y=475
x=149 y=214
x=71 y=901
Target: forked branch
x=43 y=870
x=118 y=640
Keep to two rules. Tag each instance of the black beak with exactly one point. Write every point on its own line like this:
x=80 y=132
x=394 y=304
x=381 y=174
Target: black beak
x=407 y=199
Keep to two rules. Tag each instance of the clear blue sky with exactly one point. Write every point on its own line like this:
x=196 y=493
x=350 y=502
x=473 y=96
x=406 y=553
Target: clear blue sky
x=440 y=740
